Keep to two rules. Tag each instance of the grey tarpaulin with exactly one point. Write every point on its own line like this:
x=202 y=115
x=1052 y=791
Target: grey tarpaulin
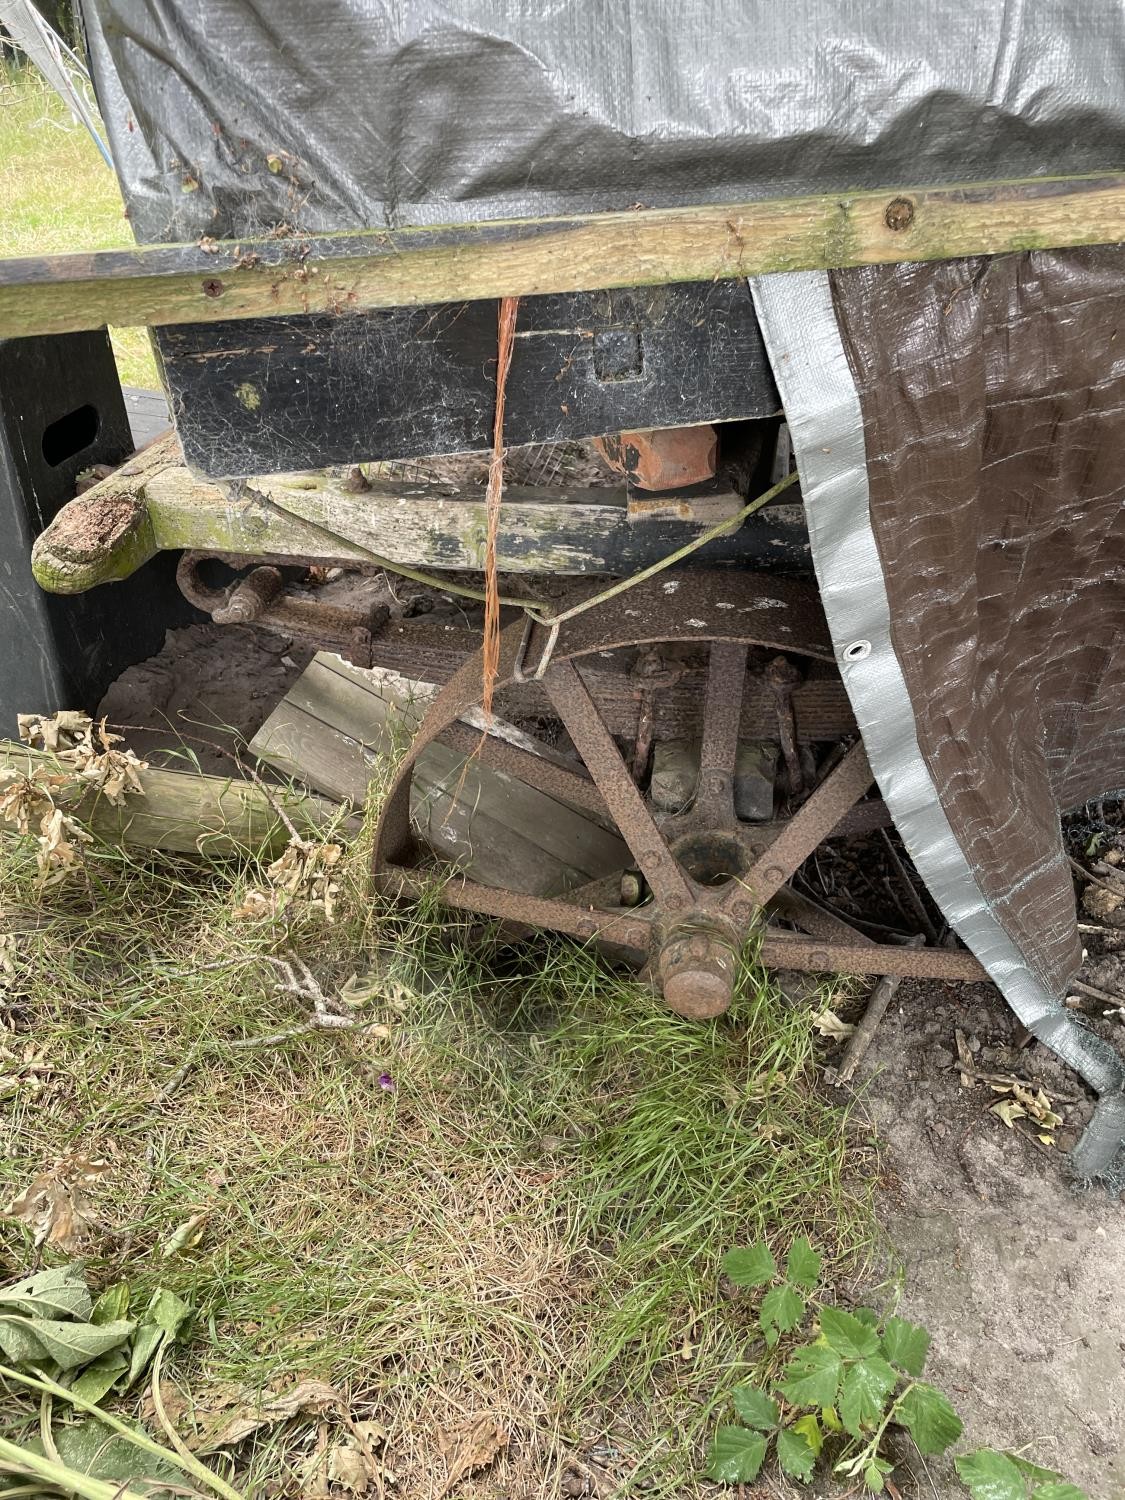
x=977 y=672
x=230 y=116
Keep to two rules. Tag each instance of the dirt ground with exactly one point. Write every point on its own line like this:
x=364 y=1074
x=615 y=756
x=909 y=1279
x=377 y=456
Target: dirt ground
x=205 y=694
x=1017 y=1275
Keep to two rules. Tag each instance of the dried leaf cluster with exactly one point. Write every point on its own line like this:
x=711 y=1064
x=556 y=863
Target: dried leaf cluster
x=86 y=761
x=56 y=1206
x=75 y=740
x=302 y=875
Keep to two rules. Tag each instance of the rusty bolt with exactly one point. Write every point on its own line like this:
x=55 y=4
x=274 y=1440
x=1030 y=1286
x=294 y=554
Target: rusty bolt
x=774 y=872
x=585 y=926
x=899 y=214
x=632 y=888
x=213 y=287
x=818 y=959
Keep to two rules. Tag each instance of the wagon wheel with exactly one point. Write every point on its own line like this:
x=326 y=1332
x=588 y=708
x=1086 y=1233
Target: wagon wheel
x=714 y=880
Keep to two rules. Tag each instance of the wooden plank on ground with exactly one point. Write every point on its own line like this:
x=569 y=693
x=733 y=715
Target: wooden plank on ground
x=338 y=729
x=181 y=810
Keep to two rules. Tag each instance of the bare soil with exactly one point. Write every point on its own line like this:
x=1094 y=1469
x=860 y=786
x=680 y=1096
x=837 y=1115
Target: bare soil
x=204 y=694
x=1017 y=1274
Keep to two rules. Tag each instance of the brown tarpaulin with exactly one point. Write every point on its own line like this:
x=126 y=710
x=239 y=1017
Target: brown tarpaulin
x=960 y=432
x=993 y=399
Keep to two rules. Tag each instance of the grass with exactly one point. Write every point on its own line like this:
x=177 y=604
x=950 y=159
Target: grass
x=58 y=195
x=529 y=1224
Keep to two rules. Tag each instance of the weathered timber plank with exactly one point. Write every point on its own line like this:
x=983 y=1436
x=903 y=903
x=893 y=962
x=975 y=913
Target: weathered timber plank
x=334 y=728
x=166 y=284
x=432 y=652
x=544 y=529
x=181 y=811
x=347 y=702
x=261 y=396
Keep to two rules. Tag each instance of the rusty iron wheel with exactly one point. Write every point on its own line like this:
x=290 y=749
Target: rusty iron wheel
x=712 y=881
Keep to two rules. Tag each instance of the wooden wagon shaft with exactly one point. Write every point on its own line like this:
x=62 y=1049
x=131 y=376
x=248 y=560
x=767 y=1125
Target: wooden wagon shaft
x=153 y=503
x=166 y=284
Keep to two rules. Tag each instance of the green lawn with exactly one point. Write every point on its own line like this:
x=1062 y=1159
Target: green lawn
x=57 y=194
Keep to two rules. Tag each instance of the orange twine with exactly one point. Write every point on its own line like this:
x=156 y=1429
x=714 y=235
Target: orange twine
x=506 y=329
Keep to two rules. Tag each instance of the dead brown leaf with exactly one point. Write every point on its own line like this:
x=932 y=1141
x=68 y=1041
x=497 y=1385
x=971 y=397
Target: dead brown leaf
x=244 y=1412
x=471 y=1445
x=354 y=1465
x=90 y=749
x=56 y=1206
x=829 y=1024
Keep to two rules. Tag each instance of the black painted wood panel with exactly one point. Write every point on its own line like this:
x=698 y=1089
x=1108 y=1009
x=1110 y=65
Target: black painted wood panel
x=269 y=395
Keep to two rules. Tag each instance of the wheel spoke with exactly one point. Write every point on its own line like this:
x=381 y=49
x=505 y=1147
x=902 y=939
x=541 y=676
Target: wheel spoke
x=594 y=743
x=621 y=927
x=788 y=950
x=722 y=716
x=805 y=830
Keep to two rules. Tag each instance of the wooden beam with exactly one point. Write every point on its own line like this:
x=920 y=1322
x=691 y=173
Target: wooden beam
x=165 y=284
x=153 y=503
x=218 y=816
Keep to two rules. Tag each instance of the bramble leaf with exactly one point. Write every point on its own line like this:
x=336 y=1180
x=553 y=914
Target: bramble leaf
x=794 y=1453
x=812 y=1377
x=906 y=1345
x=781 y=1308
x=735 y=1455
x=809 y=1428
x=847 y=1335
x=867 y=1317
x=930 y=1420
x=863 y=1395
x=988 y=1475
x=755 y=1407
x=802 y=1265
x=1058 y=1490
x=752 y=1265
x=873 y=1474
x=1030 y=1470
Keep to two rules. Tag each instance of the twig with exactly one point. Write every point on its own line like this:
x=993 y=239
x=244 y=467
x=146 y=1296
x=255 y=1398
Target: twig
x=1095 y=994
x=304 y=986
x=864 y=1034
x=1114 y=890
x=916 y=901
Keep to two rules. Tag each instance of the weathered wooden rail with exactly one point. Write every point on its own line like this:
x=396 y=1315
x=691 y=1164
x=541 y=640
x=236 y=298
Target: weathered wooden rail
x=218 y=281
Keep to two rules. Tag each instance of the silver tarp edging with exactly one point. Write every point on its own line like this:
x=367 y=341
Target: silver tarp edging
x=825 y=420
